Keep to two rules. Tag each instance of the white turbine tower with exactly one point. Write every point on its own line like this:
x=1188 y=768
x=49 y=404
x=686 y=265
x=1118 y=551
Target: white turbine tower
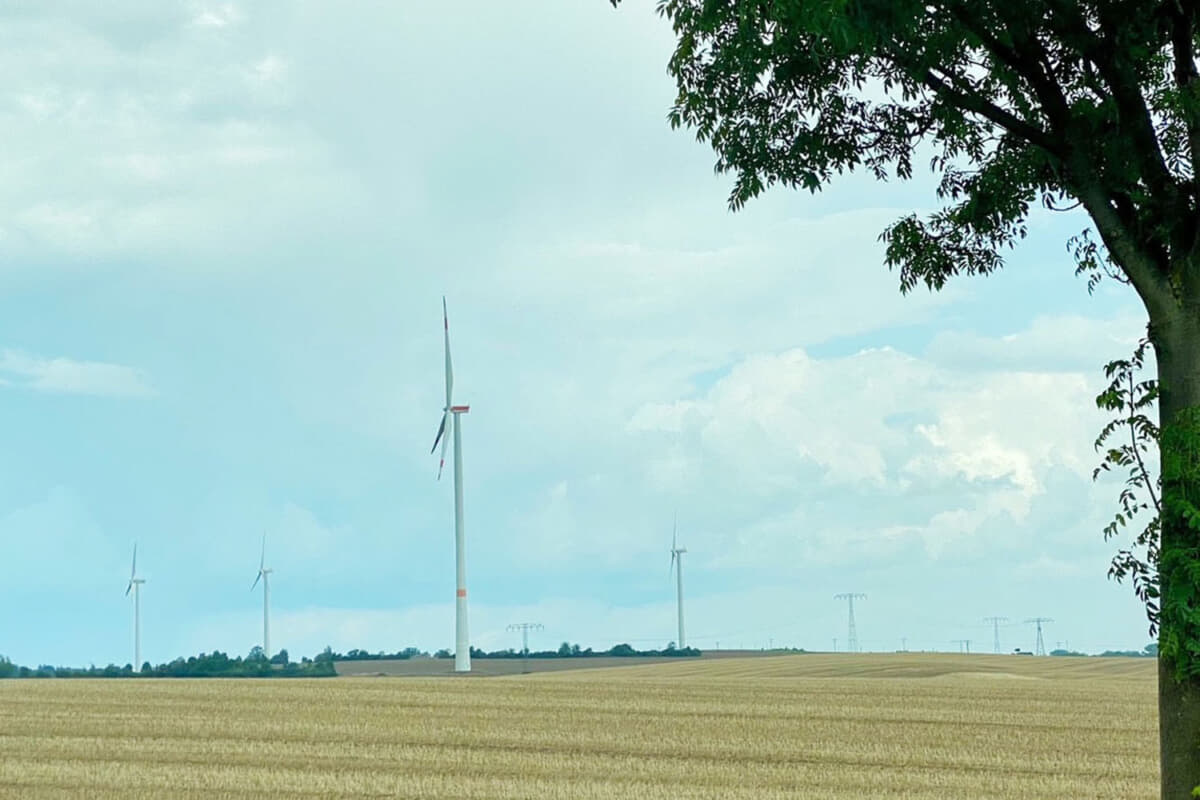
x=135 y=584
x=462 y=641
x=264 y=575
x=677 y=566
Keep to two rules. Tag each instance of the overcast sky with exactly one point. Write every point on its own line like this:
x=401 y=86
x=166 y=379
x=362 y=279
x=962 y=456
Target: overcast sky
x=225 y=233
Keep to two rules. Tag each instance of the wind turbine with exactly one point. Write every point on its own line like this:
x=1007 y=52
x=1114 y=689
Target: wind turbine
x=135 y=584
x=264 y=575
x=462 y=641
x=677 y=566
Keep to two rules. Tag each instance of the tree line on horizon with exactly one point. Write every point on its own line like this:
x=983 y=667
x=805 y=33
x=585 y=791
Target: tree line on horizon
x=256 y=664
x=216 y=664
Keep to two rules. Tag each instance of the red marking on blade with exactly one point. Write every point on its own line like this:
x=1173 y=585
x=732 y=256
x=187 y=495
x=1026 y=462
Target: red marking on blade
x=462 y=592
x=459 y=409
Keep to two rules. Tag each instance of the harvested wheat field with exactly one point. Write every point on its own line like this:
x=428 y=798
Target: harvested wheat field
x=834 y=726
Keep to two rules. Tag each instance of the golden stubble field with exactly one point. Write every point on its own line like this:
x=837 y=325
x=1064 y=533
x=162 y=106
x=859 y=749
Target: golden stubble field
x=821 y=726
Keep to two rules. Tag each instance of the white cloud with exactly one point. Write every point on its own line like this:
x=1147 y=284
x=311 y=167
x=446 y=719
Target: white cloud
x=1051 y=342
x=853 y=456
x=67 y=376
x=220 y=15
x=170 y=155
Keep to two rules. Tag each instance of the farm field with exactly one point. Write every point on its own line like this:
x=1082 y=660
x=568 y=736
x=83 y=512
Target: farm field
x=830 y=726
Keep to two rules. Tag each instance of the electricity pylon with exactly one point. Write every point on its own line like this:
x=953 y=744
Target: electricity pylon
x=964 y=645
x=995 y=621
x=525 y=628
x=852 y=634
x=1040 y=649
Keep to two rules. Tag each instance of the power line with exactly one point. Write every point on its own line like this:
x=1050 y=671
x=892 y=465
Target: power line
x=1040 y=649
x=852 y=633
x=995 y=622
x=525 y=628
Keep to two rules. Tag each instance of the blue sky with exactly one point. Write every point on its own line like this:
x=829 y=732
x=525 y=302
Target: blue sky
x=225 y=232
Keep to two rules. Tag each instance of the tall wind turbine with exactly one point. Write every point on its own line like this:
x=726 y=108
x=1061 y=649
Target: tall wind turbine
x=462 y=641
x=264 y=574
x=135 y=584
x=677 y=565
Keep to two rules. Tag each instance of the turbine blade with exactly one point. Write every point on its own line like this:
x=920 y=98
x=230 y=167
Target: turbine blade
x=449 y=366
x=674 y=525
x=257 y=578
x=671 y=569
x=262 y=561
x=445 y=444
x=127 y=588
x=441 y=430
x=133 y=570
x=444 y=438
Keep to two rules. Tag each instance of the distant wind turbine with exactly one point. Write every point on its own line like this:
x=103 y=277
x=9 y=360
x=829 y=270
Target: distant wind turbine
x=264 y=575
x=135 y=584
x=462 y=641
x=677 y=566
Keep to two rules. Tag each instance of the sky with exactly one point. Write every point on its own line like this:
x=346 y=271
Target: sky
x=225 y=233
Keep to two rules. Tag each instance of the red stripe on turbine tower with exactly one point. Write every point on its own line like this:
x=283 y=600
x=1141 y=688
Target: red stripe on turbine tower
x=462 y=592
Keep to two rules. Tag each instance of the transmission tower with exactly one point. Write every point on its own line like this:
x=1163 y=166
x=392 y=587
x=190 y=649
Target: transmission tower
x=1040 y=649
x=995 y=621
x=851 y=633
x=964 y=645
x=525 y=628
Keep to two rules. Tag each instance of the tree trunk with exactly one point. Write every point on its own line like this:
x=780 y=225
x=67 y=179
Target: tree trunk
x=1176 y=338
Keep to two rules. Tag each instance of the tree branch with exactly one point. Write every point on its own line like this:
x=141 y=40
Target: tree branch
x=1005 y=119
x=1182 y=44
x=1137 y=453
x=1027 y=60
x=1131 y=106
x=1148 y=277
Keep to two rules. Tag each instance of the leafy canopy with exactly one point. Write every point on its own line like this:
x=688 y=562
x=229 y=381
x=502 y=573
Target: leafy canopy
x=1020 y=102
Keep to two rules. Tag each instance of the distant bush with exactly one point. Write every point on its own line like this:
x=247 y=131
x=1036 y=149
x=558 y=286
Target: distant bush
x=363 y=655
x=567 y=650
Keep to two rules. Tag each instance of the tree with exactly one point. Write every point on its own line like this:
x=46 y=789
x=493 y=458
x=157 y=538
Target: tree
x=1067 y=103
